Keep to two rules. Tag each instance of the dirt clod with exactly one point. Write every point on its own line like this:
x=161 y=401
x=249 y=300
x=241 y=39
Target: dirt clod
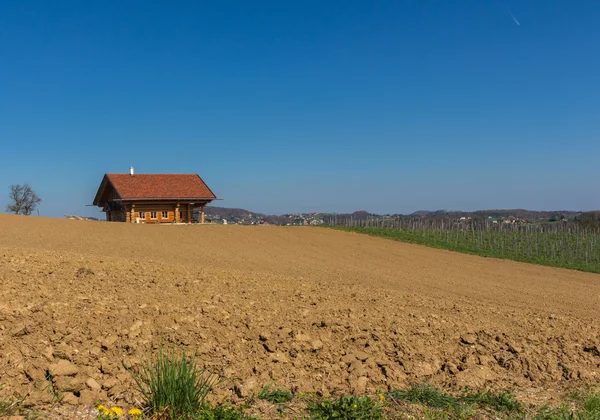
x=468 y=338
x=63 y=368
x=84 y=272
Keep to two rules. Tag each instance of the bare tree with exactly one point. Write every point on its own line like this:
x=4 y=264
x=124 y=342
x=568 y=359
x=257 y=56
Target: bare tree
x=22 y=199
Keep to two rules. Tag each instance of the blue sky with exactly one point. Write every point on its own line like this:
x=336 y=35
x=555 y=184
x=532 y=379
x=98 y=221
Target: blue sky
x=388 y=106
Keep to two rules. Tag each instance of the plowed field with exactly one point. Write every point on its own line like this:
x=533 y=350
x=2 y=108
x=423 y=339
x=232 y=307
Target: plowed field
x=316 y=310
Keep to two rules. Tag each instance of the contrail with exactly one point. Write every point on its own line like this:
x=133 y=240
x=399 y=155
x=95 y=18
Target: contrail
x=515 y=19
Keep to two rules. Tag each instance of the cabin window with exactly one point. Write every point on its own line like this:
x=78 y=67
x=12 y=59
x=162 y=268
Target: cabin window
x=165 y=215
x=181 y=215
x=153 y=215
x=142 y=215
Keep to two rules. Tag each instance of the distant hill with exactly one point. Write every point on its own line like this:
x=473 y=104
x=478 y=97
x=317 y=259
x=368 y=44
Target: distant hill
x=243 y=216
x=498 y=213
x=227 y=213
x=527 y=214
x=235 y=215
x=421 y=213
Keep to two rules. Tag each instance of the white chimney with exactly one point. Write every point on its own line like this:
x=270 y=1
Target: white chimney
x=131 y=170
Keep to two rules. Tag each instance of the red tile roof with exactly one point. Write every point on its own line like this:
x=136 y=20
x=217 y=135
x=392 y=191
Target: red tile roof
x=160 y=186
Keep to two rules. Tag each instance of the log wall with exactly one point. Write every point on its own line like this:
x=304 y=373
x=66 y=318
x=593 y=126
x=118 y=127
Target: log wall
x=154 y=212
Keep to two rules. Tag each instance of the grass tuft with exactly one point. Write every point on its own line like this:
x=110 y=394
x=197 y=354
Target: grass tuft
x=9 y=407
x=442 y=405
x=172 y=385
x=558 y=413
x=591 y=404
x=587 y=407
x=276 y=396
x=346 y=407
x=501 y=402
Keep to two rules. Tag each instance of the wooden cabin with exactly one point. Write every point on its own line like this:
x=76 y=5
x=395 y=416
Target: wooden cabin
x=153 y=198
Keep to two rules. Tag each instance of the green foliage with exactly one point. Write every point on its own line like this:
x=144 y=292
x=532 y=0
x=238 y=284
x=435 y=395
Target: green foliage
x=172 y=385
x=501 y=402
x=589 y=220
x=346 y=407
x=276 y=396
x=56 y=394
x=561 y=413
x=9 y=407
x=439 y=405
x=449 y=406
x=592 y=404
x=578 y=251
x=426 y=395
x=586 y=407
x=222 y=412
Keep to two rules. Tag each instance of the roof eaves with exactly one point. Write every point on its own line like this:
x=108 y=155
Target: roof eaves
x=207 y=187
x=106 y=180
x=113 y=185
x=167 y=198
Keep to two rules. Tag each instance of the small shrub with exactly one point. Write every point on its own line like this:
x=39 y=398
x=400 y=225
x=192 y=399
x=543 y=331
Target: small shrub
x=172 y=385
x=346 y=407
x=276 y=396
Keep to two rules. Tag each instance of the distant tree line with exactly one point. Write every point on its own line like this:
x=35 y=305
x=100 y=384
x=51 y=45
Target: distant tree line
x=589 y=220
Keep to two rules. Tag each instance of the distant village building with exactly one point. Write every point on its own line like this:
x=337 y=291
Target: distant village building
x=152 y=198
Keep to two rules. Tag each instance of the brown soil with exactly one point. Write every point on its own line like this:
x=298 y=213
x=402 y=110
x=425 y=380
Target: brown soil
x=316 y=310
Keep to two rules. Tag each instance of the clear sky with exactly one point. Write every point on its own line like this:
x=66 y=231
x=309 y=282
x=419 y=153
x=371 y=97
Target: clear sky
x=285 y=106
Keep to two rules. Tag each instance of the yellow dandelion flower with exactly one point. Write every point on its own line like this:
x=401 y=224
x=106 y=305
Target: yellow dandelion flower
x=117 y=410
x=381 y=397
x=135 y=412
x=101 y=408
x=355 y=406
